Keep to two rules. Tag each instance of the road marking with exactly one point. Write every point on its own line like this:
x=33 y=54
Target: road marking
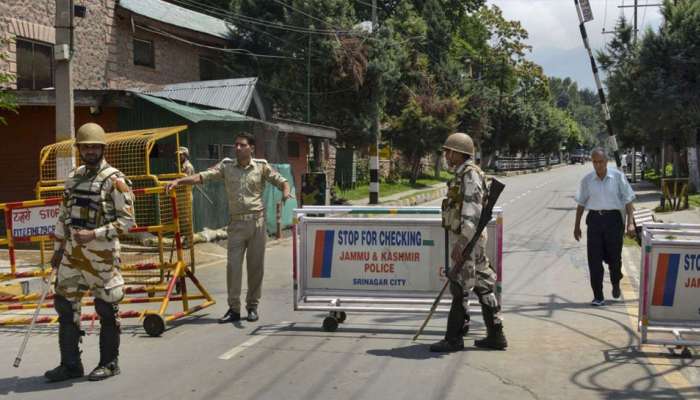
x=675 y=378
x=209 y=264
x=214 y=255
x=260 y=336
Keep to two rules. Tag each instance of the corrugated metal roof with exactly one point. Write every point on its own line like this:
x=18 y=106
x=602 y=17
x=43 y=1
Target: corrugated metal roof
x=196 y=114
x=306 y=129
x=227 y=94
x=178 y=16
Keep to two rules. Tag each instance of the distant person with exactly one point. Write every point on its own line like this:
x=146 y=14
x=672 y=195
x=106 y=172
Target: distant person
x=630 y=162
x=623 y=162
x=183 y=155
x=605 y=193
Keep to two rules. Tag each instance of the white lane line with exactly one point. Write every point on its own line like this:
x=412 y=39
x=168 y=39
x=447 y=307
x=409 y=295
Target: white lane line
x=210 y=263
x=260 y=336
x=214 y=255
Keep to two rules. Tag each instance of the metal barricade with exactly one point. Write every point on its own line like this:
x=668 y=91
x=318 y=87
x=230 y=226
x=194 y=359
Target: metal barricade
x=374 y=259
x=669 y=304
x=146 y=270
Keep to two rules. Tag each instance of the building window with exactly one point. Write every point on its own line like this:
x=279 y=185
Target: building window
x=34 y=65
x=293 y=149
x=207 y=69
x=228 y=150
x=213 y=152
x=210 y=69
x=144 y=54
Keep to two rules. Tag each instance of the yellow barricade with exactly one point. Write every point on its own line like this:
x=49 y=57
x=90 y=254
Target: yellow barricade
x=153 y=255
x=146 y=269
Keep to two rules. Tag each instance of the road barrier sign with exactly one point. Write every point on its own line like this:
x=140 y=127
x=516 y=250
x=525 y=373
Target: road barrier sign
x=669 y=300
x=373 y=259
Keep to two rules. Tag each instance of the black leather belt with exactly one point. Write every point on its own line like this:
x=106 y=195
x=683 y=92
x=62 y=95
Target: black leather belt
x=604 y=212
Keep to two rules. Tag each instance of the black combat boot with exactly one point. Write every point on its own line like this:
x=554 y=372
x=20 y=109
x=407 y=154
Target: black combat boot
x=495 y=339
x=109 y=342
x=105 y=371
x=68 y=342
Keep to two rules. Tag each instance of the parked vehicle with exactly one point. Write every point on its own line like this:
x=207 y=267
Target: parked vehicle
x=578 y=156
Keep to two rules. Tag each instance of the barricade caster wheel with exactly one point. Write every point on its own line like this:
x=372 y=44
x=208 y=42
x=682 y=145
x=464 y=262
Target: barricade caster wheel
x=340 y=316
x=154 y=325
x=330 y=324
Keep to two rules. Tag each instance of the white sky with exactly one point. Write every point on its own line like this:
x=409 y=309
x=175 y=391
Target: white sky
x=554 y=33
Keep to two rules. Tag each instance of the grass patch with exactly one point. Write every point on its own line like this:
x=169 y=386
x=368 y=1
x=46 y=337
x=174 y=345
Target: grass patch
x=628 y=241
x=694 y=200
x=390 y=188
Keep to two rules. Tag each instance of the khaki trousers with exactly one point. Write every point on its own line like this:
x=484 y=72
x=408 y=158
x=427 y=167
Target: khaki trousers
x=245 y=238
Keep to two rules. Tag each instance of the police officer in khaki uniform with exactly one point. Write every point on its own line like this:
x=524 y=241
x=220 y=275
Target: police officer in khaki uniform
x=183 y=154
x=97 y=207
x=244 y=179
x=461 y=213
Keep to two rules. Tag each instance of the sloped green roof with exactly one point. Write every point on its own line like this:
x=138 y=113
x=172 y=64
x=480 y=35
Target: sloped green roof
x=194 y=114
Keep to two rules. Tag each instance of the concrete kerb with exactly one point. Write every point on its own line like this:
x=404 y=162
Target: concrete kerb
x=418 y=198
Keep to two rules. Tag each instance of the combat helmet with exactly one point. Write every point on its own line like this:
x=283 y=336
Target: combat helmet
x=460 y=142
x=90 y=133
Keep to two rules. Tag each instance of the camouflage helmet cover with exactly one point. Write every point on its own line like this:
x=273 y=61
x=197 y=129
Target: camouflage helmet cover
x=90 y=133
x=183 y=150
x=460 y=142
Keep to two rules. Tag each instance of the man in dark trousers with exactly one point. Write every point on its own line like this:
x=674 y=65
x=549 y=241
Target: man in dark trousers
x=608 y=197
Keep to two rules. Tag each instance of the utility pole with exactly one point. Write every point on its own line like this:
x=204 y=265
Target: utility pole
x=583 y=10
x=63 y=52
x=374 y=148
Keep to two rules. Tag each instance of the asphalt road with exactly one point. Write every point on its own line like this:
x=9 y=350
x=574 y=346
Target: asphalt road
x=560 y=346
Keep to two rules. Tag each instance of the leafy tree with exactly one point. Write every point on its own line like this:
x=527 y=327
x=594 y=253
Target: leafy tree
x=424 y=119
x=432 y=67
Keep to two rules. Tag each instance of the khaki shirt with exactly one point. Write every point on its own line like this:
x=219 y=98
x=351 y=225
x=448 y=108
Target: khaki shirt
x=187 y=168
x=244 y=185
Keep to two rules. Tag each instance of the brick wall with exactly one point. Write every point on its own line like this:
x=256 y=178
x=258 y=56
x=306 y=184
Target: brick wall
x=30 y=130
x=103 y=52
x=175 y=61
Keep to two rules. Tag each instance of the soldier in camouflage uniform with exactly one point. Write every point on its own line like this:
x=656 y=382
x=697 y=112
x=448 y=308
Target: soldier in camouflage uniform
x=183 y=154
x=461 y=213
x=97 y=207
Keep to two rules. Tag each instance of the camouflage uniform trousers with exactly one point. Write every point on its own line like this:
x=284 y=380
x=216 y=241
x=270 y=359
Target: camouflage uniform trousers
x=92 y=266
x=477 y=275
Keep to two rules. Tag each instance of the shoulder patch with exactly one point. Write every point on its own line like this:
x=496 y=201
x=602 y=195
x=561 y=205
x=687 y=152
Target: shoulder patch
x=260 y=160
x=78 y=171
x=120 y=184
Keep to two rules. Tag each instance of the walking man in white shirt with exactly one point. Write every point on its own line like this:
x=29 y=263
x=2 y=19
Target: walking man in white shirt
x=608 y=197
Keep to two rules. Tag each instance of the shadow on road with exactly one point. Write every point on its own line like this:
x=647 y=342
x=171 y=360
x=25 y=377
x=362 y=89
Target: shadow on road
x=418 y=352
x=30 y=384
x=656 y=366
